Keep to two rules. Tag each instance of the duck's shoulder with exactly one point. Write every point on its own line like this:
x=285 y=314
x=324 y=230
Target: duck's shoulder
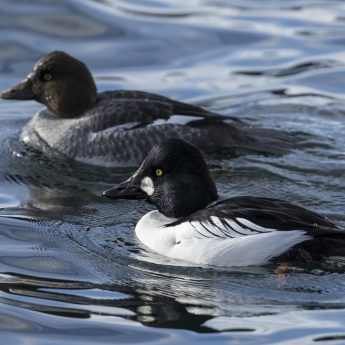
x=161 y=107
x=247 y=215
x=137 y=111
x=133 y=95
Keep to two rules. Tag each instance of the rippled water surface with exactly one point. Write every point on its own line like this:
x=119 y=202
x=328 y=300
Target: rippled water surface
x=72 y=271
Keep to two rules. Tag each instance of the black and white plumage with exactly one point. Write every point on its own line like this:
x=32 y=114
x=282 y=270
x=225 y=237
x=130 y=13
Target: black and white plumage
x=191 y=224
x=118 y=128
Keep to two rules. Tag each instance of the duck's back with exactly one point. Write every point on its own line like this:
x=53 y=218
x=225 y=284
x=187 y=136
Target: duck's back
x=123 y=125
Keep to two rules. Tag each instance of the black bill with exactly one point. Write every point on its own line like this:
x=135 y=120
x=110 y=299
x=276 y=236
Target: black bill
x=126 y=190
x=21 y=91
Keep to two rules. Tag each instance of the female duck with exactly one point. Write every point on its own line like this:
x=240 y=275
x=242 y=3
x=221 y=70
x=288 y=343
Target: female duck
x=192 y=225
x=117 y=128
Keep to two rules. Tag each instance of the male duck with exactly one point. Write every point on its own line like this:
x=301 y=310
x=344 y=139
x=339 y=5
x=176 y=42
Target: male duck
x=192 y=225
x=117 y=128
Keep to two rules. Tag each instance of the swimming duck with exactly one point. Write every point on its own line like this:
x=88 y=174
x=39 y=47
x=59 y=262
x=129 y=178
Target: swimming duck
x=117 y=128
x=191 y=224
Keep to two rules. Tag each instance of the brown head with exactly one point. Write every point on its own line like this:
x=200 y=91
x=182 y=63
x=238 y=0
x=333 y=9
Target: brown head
x=60 y=82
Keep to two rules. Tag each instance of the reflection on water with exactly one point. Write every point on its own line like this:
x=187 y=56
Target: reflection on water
x=72 y=270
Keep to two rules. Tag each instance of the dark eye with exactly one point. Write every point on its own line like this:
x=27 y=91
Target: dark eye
x=47 y=77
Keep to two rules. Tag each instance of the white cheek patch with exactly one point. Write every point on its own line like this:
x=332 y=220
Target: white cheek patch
x=147 y=185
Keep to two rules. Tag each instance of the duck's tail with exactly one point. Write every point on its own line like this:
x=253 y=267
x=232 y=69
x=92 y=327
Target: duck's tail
x=225 y=137
x=333 y=251
x=325 y=245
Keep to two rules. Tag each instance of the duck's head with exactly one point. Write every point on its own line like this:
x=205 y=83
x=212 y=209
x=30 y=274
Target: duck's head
x=173 y=177
x=59 y=81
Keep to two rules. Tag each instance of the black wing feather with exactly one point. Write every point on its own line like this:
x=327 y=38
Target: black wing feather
x=161 y=106
x=209 y=131
x=326 y=239
x=267 y=213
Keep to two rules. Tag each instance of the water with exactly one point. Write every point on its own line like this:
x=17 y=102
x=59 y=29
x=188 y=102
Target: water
x=72 y=271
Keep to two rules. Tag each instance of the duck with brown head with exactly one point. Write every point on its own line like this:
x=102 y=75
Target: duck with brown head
x=60 y=82
x=117 y=128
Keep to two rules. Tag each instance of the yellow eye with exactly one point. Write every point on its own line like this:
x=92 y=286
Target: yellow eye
x=159 y=172
x=47 y=77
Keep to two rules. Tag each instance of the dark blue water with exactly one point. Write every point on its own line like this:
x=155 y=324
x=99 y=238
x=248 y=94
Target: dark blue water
x=72 y=271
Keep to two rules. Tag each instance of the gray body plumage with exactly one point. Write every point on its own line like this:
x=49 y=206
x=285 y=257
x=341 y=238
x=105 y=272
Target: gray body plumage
x=123 y=126
x=118 y=128
x=115 y=132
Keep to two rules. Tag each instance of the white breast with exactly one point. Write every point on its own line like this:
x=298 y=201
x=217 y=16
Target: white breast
x=186 y=241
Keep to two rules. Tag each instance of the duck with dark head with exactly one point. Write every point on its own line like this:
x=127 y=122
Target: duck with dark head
x=191 y=224
x=117 y=128
x=60 y=82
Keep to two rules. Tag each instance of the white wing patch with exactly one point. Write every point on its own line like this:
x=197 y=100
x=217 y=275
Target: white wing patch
x=176 y=120
x=221 y=227
x=253 y=226
x=219 y=242
x=237 y=230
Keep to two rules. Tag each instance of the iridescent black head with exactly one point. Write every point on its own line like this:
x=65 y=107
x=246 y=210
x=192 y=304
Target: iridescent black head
x=173 y=177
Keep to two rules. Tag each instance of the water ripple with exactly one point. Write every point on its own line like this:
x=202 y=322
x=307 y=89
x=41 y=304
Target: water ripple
x=69 y=258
